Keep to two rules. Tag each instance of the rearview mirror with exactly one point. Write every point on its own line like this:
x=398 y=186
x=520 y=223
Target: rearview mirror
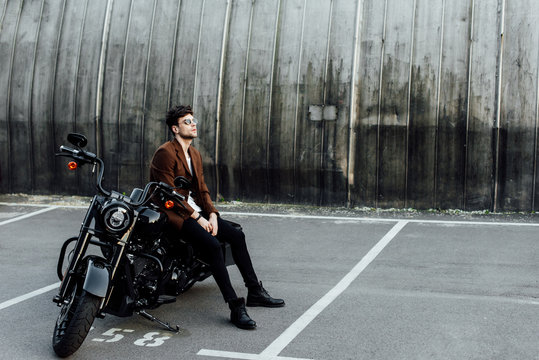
x=78 y=140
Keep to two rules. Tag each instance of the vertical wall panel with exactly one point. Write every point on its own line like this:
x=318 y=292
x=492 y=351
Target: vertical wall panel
x=453 y=106
x=312 y=72
x=158 y=80
x=337 y=86
x=394 y=105
x=65 y=90
x=535 y=205
x=112 y=86
x=7 y=42
x=370 y=72
x=42 y=90
x=282 y=167
x=519 y=105
x=231 y=115
x=132 y=94
x=482 y=106
x=207 y=84
x=254 y=182
x=423 y=104
x=3 y=6
x=187 y=42
x=21 y=151
x=87 y=75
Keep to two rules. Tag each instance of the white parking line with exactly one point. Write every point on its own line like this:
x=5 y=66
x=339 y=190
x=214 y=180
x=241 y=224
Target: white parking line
x=375 y=219
x=243 y=356
x=323 y=217
x=26 y=216
x=30 y=295
x=44 y=205
x=275 y=348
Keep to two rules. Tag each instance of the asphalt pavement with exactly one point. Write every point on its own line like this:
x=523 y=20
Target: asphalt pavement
x=357 y=285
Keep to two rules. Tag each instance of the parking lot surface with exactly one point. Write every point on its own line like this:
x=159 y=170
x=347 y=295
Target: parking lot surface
x=369 y=285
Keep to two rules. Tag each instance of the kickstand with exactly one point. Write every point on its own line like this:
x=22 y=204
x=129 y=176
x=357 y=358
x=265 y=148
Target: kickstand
x=145 y=315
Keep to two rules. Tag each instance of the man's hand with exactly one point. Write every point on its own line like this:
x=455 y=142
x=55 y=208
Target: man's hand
x=213 y=223
x=205 y=224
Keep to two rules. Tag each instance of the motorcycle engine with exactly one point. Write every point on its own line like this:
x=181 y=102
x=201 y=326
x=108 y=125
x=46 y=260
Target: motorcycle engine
x=178 y=281
x=146 y=279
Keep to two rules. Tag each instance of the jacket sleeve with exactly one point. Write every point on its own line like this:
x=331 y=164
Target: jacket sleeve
x=162 y=169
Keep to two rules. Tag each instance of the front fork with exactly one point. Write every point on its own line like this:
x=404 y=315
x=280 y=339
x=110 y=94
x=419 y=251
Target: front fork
x=80 y=249
x=99 y=271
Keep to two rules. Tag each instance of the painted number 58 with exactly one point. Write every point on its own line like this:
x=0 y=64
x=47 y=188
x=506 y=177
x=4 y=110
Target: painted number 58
x=150 y=339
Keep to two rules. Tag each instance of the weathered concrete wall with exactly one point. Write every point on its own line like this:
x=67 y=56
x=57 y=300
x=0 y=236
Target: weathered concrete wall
x=436 y=100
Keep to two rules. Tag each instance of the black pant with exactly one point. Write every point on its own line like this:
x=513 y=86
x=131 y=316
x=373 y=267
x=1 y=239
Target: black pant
x=211 y=251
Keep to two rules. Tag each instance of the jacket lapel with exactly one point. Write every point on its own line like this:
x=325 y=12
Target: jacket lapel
x=181 y=156
x=194 y=162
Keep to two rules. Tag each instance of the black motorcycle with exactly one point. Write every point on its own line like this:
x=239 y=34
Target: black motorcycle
x=138 y=262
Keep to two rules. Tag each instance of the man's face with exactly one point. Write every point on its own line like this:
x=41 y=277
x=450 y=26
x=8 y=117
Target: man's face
x=187 y=127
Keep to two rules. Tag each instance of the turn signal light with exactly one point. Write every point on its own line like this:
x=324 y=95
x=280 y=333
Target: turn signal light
x=72 y=165
x=169 y=204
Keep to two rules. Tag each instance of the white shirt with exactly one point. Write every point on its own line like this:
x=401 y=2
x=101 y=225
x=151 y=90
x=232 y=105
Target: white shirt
x=190 y=199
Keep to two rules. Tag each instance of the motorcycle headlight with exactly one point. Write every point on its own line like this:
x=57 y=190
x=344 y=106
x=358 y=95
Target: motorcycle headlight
x=117 y=217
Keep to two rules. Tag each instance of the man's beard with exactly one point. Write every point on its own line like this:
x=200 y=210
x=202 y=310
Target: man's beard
x=188 y=136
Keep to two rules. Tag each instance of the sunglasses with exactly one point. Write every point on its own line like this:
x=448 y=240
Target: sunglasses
x=190 y=121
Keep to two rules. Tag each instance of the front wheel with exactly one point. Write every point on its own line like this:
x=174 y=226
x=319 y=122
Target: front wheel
x=74 y=322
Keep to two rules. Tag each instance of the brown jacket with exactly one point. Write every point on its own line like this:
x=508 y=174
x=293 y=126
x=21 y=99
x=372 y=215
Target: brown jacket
x=169 y=162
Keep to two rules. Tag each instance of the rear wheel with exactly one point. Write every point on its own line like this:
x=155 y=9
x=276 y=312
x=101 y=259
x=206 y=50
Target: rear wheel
x=74 y=322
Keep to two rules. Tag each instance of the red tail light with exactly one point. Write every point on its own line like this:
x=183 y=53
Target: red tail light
x=72 y=165
x=169 y=204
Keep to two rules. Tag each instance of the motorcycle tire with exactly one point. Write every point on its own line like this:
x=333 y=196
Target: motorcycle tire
x=74 y=322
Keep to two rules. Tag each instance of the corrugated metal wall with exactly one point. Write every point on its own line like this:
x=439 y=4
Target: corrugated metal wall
x=436 y=101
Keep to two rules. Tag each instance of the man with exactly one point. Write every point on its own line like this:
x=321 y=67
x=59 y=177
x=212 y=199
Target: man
x=200 y=224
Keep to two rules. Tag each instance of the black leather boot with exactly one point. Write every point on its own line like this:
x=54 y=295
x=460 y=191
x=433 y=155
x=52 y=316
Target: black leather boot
x=239 y=316
x=258 y=296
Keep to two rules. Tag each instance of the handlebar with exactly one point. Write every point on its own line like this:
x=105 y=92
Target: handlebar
x=91 y=158
x=165 y=188
x=79 y=154
x=88 y=158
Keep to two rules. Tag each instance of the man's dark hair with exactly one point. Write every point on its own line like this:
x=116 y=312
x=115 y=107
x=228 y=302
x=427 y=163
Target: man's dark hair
x=177 y=112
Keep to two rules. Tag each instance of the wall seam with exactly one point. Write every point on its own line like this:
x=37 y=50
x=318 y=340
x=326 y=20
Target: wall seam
x=245 y=79
x=468 y=94
x=101 y=76
x=119 y=124
x=195 y=85
x=53 y=91
x=8 y=97
x=30 y=117
x=356 y=54
x=534 y=190
x=172 y=67
x=323 y=153
x=297 y=99
x=498 y=106
x=438 y=91
x=145 y=93
x=224 y=47
x=270 y=109
x=3 y=16
x=379 y=115
x=409 y=99
x=76 y=80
